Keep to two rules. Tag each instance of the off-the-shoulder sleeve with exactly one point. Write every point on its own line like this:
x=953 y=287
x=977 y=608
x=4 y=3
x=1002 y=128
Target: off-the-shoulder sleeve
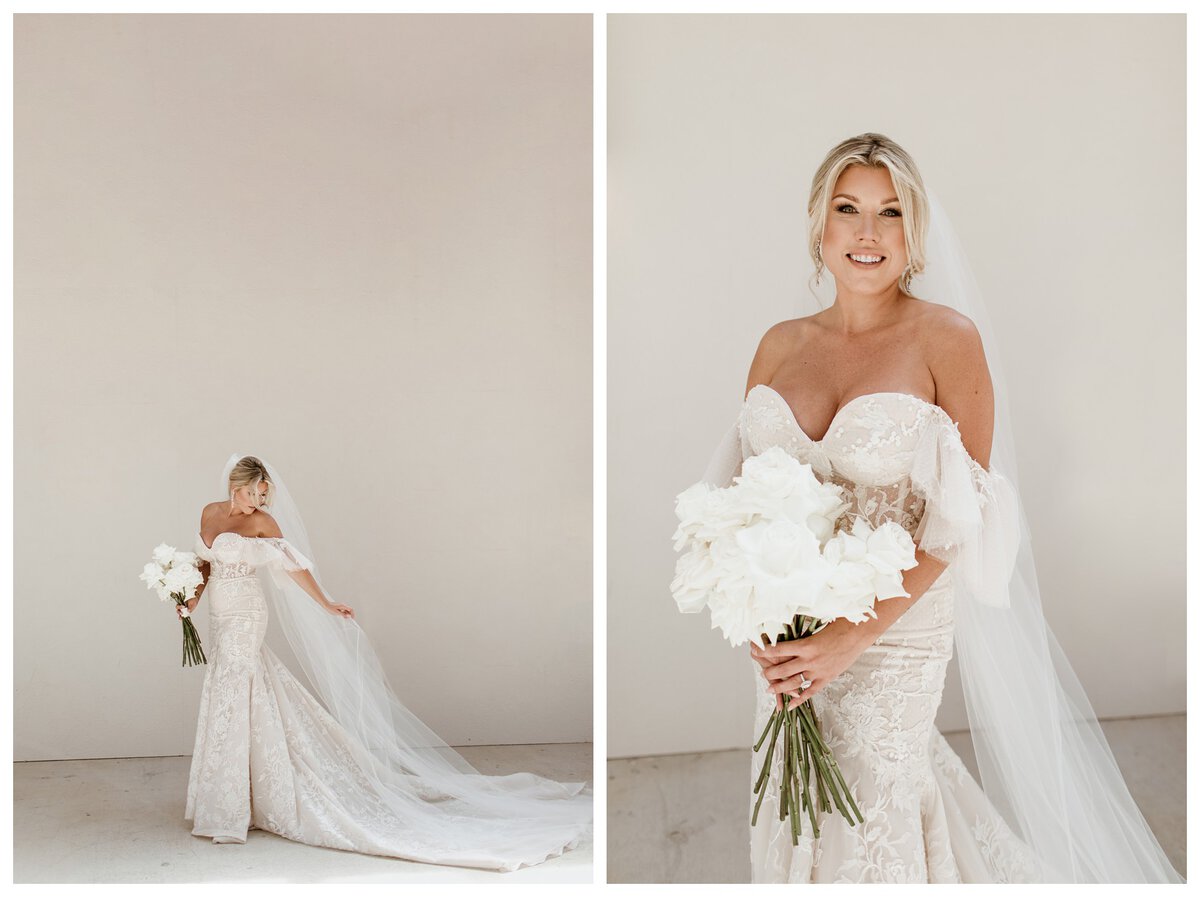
x=277 y=552
x=726 y=461
x=970 y=520
x=201 y=550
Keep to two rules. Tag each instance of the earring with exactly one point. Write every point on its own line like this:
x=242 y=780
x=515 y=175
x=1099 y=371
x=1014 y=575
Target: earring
x=906 y=277
x=820 y=261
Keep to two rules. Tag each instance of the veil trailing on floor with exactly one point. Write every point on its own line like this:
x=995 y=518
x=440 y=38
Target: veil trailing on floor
x=458 y=815
x=1043 y=759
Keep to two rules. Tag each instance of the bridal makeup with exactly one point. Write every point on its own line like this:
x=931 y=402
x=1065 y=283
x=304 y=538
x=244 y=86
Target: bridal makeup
x=863 y=242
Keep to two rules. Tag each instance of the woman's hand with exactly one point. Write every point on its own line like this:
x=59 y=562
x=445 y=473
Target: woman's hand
x=340 y=610
x=191 y=606
x=821 y=657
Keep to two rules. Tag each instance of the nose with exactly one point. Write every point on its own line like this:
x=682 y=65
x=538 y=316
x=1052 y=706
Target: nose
x=867 y=229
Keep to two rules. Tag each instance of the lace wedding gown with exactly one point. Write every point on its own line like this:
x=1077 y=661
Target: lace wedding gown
x=269 y=756
x=925 y=818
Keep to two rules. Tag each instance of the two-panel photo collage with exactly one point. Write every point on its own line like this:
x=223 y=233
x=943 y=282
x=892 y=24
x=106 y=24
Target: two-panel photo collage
x=599 y=447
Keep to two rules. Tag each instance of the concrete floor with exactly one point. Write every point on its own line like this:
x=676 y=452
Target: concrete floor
x=122 y=821
x=682 y=818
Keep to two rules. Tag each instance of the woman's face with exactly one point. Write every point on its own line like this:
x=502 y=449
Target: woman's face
x=863 y=243
x=247 y=499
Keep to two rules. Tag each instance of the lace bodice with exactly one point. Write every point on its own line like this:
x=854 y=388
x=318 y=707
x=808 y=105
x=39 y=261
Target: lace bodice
x=899 y=458
x=232 y=554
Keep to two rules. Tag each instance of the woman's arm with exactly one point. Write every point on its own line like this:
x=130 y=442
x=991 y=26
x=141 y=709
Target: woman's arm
x=205 y=568
x=269 y=528
x=964 y=391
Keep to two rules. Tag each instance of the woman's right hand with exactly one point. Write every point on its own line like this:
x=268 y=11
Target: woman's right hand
x=340 y=610
x=765 y=662
x=191 y=606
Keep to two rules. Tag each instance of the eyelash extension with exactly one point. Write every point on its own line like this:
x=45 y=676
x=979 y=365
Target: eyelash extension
x=846 y=206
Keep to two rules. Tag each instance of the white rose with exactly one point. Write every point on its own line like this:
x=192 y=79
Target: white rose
x=705 y=514
x=729 y=560
x=732 y=613
x=778 y=548
x=151 y=575
x=183 y=557
x=845 y=547
x=851 y=583
x=769 y=479
x=182 y=580
x=818 y=509
x=889 y=585
x=695 y=579
x=891 y=548
x=780 y=599
x=163 y=554
x=689 y=505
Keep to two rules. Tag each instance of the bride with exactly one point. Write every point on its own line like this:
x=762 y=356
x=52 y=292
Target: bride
x=891 y=396
x=355 y=771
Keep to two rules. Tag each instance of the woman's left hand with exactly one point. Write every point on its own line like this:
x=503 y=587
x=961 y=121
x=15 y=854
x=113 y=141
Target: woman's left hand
x=821 y=657
x=340 y=610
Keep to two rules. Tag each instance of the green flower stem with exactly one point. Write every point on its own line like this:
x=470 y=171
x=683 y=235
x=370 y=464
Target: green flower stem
x=799 y=765
x=760 y=786
x=837 y=785
x=805 y=758
x=786 y=772
x=193 y=652
x=763 y=736
x=808 y=802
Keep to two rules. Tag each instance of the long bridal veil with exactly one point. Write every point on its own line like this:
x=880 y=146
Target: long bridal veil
x=1043 y=759
x=455 y=814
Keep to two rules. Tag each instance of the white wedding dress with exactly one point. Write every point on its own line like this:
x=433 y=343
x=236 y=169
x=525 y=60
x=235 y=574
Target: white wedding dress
x=925 y=818
x=269 y=756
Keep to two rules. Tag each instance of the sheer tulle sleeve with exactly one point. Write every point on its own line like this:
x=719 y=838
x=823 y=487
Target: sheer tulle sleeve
x=277 y=553
x=971 y=521
x=726 y=461
x=201 y=550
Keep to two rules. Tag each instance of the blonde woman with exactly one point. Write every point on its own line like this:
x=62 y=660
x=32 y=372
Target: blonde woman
x=888 y=392
x=354 y=770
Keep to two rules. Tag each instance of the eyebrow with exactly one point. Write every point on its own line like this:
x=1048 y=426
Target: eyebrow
x=856 y=199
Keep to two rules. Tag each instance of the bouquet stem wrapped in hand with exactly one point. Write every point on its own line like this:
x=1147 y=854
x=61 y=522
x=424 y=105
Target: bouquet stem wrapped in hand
x=174 y=575
x=775 y=556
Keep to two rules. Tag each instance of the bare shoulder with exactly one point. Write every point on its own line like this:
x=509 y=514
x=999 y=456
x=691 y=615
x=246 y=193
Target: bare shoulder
x=954 y=354
x=266 y=525
x=947 y=326
x=209 y=512
x=780 y=341
x=951 y=344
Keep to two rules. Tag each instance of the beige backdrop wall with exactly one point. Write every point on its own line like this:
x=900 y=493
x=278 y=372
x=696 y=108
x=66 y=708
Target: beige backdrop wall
x=1056 y=144
x=358 y=245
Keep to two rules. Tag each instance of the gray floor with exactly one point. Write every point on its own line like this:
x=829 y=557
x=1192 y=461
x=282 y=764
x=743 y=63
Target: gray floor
x=682 y=818
x=122 y=821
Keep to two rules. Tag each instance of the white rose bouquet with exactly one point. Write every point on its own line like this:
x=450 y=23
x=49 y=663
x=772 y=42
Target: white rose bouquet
x=775 y=556
x=174 y=575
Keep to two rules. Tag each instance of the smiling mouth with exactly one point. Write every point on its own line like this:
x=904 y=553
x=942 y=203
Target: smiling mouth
x=865 y=261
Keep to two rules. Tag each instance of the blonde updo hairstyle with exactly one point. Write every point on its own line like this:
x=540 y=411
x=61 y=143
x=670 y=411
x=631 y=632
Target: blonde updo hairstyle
x=249 y=471
x=877 y=151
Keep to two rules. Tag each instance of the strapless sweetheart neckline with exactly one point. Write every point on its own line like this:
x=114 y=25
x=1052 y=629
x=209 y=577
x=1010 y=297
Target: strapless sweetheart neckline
x=228 y=533
x=868 y=395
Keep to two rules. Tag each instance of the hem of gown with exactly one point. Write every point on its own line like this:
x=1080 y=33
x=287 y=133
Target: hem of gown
x=236 y=839
x=486 y=865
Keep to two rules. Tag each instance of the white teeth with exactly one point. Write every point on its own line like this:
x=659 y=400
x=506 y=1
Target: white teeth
x=867 y=258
